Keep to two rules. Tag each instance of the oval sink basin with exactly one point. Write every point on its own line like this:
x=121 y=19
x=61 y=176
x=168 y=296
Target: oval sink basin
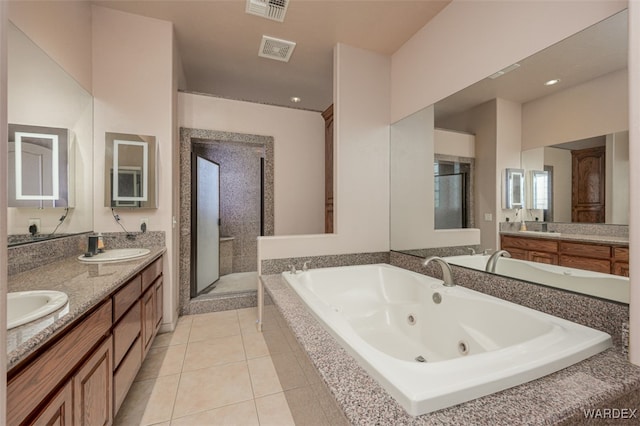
x=116 y=255
x=27 y=306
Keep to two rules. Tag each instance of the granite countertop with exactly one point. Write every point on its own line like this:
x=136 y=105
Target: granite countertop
x=548 y=400
x=85 y=284
x=604 y=239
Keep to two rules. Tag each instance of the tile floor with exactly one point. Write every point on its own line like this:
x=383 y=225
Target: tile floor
x=237 y=282
x=213 y=369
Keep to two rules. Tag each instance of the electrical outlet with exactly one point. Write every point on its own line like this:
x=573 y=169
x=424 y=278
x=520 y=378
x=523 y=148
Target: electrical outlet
x=35 y=222
x=488 y=217
x=144 y=224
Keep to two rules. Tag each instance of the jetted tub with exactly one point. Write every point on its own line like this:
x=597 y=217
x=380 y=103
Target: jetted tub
x=432 y=346
x=612 y=287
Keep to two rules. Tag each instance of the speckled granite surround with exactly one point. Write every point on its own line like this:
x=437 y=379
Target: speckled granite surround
x=202 y=135
x=275 y=266
x=17 y=239
x=552 y=399
x=85 y=284
x=600 y=229
x=150 y=239
x=28 y=256
x=597 y=313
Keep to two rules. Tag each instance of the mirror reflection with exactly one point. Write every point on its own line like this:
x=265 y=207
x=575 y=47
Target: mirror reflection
x=525 y=116
x=45 y=104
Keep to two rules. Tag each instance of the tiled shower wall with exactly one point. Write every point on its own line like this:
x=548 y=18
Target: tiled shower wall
x=240 y=196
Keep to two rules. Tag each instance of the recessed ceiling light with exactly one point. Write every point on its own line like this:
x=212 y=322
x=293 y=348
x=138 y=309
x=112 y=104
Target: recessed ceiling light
x=295 y=99
x=552 y=82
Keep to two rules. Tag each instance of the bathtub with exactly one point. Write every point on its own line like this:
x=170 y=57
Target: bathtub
x=607 y=286
x=432 y=346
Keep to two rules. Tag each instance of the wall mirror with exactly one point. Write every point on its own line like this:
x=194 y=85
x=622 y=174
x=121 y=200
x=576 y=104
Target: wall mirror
x=46 y=104
x=130 y=171
x=594 y=59
x=513 y=189
x=539 y=189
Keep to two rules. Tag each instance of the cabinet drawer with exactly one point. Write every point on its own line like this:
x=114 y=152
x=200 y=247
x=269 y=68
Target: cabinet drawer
x=151 y=272
x=125 y=374
x=517 y=253
x=43 y=375
x=536 y=244
x=596 y=265
x=125 y=332
x=585 y=250
x=621 y=254
x=125 y=297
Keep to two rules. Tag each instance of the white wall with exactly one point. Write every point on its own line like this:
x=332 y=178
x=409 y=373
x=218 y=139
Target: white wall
x=60 y=28
x=617 y=179
x=508 y=148
x=361 y=172
x=481 y=37
x=560 y=159
x=298 y=153
x=595 y=108
x=133 y=88
x=447 y=142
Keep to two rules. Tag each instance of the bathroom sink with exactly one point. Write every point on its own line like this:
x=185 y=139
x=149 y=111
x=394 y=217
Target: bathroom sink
x=27 y=306
x=116 y=255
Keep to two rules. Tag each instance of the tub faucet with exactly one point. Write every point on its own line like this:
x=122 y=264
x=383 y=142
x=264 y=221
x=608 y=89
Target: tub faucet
x=447 y=275
x=471 y=251
x=305 y=266
x=292 y=269
x=493 y=260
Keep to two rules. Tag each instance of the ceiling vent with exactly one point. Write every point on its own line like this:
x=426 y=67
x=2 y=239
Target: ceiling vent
x=274 y=48
x=504 y=71
x=270 y=9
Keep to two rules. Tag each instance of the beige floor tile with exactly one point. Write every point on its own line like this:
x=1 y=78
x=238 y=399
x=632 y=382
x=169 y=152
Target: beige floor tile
x=242 y=414
x=149 y=402
x=207 y=353
x=248 y=318
x=274 y=411
x=210 y=317
x=214 y=329
x=185 y=319
x=177 y=337
x=264 y=378
x=213 y=387
x=162 y=361
x=254 y=345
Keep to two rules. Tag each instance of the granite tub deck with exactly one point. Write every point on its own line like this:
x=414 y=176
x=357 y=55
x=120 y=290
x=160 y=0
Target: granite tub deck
x=554 y=399
x=85 y=284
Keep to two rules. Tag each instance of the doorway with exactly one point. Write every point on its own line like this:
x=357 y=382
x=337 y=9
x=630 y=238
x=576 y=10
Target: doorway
x=246 y=212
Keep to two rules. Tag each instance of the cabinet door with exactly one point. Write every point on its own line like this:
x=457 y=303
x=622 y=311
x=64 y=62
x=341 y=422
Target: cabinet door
x=621 y=268
x=517 y=253
x=148 y=324
x=59 y=411
x=93 y=388
x=158 y=303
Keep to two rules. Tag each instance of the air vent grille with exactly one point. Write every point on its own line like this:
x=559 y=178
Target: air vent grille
x=275 y=48
x=270 y=9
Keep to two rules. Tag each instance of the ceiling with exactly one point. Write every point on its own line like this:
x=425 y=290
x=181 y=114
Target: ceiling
x=218 y=43
x=591 y=53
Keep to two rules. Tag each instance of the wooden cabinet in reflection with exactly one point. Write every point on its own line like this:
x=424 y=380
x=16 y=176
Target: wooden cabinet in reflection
x=605 y=258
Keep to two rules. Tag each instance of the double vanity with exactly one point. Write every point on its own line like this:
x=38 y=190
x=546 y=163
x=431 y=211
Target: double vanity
x=75 y=365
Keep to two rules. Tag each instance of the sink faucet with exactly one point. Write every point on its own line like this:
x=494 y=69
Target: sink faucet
x=447 y=275
x=493 y=260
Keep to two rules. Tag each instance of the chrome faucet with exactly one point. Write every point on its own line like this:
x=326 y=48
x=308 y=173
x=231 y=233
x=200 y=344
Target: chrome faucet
x=305 y=266
x=292 y=269
x=447 y=275
x=471 y=251
x=493 y=260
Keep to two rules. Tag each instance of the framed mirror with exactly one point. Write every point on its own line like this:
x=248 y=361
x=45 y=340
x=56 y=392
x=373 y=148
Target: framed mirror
x=513 y=189
x=130 y=171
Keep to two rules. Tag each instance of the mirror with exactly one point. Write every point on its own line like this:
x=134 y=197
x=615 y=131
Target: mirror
x=513 y=189
x=51 y=137
x=130 y=171
x=39 y=167
x=591 y=100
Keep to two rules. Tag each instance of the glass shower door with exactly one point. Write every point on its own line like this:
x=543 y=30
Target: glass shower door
x=205 y=224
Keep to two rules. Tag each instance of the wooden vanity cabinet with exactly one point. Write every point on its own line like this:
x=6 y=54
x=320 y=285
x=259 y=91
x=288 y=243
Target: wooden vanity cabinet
x=605 y=258
x=83 y=376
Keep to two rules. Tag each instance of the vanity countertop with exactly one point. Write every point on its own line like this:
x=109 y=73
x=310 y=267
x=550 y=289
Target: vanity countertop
x=552 y=399
x=85 y=284
x=584 y=238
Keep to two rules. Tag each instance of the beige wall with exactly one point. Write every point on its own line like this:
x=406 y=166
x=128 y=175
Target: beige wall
x=60 y=28
x=617 y=179
x=361 y=148
x=3 y=207
x=560 y=159
x=298 y=153
x=129 y=98
x=595 y=108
